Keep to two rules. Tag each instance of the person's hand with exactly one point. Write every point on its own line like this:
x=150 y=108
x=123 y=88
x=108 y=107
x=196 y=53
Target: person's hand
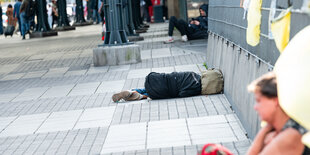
x=192 y=22
x=196 y=22
x=269 y=137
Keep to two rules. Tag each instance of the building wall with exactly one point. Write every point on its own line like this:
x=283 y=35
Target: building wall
x=226 y=19
x=240 y=62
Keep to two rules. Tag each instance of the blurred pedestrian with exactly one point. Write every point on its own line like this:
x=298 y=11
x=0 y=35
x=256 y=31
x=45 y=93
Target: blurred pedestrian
x=282 y=134
x=54 y=12
x=50 y=15
x=16 y=14
x=94 y=8
x=24 y=18
x=1 y=25
x=9 y=13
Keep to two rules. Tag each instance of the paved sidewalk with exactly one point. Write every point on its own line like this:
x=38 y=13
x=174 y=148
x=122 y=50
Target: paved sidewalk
x=53 y=101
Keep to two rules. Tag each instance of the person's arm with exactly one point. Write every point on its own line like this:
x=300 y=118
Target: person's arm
x=14 y=12
x=100 y=7
x=258 y=142
x=287 y=142
x=203 y=23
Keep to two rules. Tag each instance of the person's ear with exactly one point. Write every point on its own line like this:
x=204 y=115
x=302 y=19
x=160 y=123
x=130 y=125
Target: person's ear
x=276 y=101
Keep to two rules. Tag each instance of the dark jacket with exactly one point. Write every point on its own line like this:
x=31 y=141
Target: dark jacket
x=24 y=6
x=200 y=31
x=176 y=84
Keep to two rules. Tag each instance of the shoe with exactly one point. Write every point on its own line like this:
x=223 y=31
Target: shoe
x=184 y=38
x=122 y=95
x=170 y=40
x=24 y=37
x=134 y=96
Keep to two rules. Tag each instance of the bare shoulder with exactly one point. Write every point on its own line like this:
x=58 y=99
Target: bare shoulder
x=286 y=142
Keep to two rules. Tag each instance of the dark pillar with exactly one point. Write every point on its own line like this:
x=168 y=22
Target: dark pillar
x=79 y=17
x=129 y=26
x=89 y=10
x=115 y=31
x=42 y=27
x=63 y=22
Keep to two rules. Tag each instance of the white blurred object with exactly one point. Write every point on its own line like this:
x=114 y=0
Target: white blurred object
x=246 y=4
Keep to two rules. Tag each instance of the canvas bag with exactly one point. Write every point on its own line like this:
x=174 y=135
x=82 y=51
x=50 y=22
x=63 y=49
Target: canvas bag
x=212 y=81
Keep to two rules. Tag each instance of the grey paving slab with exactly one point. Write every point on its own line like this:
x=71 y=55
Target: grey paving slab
x=84 y=89
x=146 y=54
x=60 y=121
x=7 y=97
x=5 y=69
x=119 y=68
x=36 y=74
x=97 y=117
x=125 y=138
x=24 y=125
x=76 y=72
x=162 y=52
x=57 y=91
x=187 y=68
x=30 y=94
x=111 y=86
x=12 y=77
x=167 y=133
x=56 y=72
x=138 y=73
x=163 y=70
x=94 y=70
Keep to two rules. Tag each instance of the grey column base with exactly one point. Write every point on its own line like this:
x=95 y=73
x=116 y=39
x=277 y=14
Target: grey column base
x=82 y=24
x=65 y=28
x=116 y=55
x=43 y=34
x=135 y=38
x=141 y=31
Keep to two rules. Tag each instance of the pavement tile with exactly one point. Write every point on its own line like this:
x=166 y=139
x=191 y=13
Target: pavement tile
x=57 y=91
x=138 y=73
x=84 y=89
x=111 y=86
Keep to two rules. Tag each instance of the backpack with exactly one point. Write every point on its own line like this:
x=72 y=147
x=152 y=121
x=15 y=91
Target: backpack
x=30 y=9
x=212 y=81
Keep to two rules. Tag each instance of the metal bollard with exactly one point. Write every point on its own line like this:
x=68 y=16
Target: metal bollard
x=62 y=13
x=42 y=23
x=115 y=32
x=127 y=14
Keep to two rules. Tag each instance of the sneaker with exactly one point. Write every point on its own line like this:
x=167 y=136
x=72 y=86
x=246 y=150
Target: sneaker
x=122 y=95
x=170 y=40
x=184 y=38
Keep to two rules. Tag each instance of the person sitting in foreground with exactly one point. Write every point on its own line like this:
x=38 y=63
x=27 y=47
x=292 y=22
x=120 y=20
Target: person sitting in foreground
x=175 y=84
x=281 y=135
x=196 y=29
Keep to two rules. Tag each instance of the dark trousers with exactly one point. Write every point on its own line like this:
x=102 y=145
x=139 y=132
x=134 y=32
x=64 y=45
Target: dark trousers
x=180 y=24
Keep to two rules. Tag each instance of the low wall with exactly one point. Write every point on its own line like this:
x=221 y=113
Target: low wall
x=239 y=67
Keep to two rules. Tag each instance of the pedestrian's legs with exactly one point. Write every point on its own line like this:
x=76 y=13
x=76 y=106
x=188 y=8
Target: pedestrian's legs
x=19 y=25
x=1 y=26
x=50 y=21
x=181 y=25
x=172 y=22
x=23 y=24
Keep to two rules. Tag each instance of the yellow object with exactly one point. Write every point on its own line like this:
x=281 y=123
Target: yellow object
x=280 y=28
x=254 y=21
x=293 y=77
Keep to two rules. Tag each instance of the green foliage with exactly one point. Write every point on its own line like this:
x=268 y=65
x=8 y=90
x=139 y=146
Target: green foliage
x=205 y=64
